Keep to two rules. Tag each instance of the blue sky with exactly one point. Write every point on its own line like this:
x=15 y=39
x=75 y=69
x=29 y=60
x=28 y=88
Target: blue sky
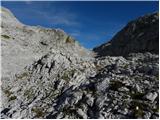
x=91 y=23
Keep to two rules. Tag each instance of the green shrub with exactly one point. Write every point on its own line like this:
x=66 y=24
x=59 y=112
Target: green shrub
x=137 y=95
x=69 y=111
x=38 y=111
x=70 y=40
x=115 y=85
x=156 y=109
x=67 y=74
x=8 y=92
x=137 y=108
x=98 y=67
x=5 y=36
x=23 y=75
x=29 y=94
x=126 y=66
x=12 y=98
x=157 y=77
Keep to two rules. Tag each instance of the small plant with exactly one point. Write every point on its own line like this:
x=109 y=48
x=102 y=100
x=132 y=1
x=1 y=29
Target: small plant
x=69 y=111
x=137 y=95
x=115 y=85
x=23 y=75
x=156 y=109
x=5 y=36
x=8 y=92
x=157 y=77
x=126 y=66
x=67 y=74
x=12 y=98
x=98 y=67
x=29 y=94
x=137 y=109
x=38 y=111
x=70 y=40
x=138 y=113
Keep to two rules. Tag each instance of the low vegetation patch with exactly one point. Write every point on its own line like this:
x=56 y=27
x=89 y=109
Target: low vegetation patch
x=39 y=112
x=70 y=40
x=115 y=85
x=68 y=74
x=8 y=92
x=23 y=75
x=29 y=94
x=98 y=67
x=137 y=109
x=12 y=98
x=69 y=111
x=137 y=95
x=5 y=36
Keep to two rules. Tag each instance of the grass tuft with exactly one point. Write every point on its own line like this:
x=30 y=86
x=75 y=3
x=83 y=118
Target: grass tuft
x=5 y=36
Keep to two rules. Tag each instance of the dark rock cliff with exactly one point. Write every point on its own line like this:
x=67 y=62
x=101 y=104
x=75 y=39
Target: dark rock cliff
x=140 y=35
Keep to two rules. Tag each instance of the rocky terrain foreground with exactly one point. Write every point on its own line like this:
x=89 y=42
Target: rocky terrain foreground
x=48 y=74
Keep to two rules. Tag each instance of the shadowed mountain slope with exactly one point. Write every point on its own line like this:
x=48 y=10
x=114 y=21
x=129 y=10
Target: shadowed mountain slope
x=140 y=35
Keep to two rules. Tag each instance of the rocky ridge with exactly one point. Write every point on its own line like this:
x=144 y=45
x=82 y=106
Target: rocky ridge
x=136 y=36
x=66 y=81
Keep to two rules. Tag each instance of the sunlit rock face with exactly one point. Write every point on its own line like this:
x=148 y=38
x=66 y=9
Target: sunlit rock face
x=22 y=44
x=140 y=35
x=47 y=74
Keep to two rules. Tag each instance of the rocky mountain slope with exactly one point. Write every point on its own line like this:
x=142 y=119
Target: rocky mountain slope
x=61 y=79
x=140 y=35
x=22 y=44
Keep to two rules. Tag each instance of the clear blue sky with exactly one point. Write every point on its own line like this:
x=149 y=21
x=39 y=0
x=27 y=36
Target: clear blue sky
x=91 y=23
